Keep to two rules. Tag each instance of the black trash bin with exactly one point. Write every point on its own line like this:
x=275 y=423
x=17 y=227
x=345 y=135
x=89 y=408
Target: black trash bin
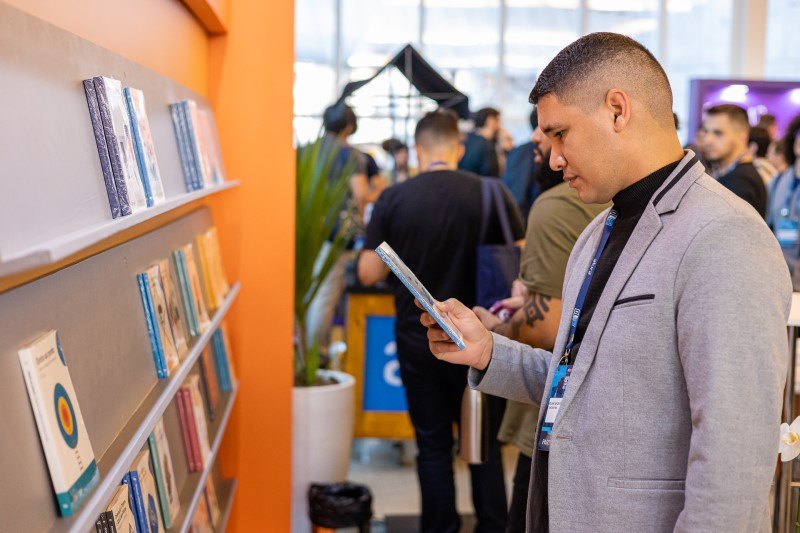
x=334 y=505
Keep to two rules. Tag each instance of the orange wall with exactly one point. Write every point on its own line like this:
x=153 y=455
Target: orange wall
x=251 y=90
x=247 y=76
x=160 y=34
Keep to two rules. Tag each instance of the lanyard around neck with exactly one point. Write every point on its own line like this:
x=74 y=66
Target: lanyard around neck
x=787 y=204
x=576 y=313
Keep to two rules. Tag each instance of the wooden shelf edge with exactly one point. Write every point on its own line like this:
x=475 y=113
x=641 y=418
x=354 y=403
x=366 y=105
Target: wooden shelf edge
x=226 y=514
x=131 y=440
x=206 y=13
x=55 y=254
x=188 y=512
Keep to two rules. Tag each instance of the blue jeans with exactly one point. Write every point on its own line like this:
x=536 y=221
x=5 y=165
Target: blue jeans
x=434 y=390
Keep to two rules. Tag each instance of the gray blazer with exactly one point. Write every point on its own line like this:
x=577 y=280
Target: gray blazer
x=671 y=416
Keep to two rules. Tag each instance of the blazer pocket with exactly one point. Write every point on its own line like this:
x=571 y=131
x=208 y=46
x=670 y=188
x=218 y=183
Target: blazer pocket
x=630 y=301
x=646 y=484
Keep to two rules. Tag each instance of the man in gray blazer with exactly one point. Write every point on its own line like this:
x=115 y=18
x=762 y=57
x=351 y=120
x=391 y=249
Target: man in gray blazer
x=661 y=401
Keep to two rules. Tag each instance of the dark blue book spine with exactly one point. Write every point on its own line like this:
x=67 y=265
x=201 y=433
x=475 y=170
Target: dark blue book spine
x=194 y=157
x=218 y=347
x=175 y=113
x=132 y=501
x=102 y=149
x=152 y=325
x=111 y=143
x=138 y=147
x=141 y=515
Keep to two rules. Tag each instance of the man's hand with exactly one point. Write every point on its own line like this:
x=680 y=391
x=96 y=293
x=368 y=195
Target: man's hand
x=489 y=320
x=478 y=339
x=518 y=289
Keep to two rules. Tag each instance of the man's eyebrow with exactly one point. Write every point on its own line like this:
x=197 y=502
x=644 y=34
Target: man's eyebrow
x=551 y=127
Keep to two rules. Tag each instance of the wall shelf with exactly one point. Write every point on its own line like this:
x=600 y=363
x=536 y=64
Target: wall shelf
x=195 y=482
x=55 y=250
x=229 y=488
x=120 y=455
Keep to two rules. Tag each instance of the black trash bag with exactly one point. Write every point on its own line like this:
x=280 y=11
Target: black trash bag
x=340 y=505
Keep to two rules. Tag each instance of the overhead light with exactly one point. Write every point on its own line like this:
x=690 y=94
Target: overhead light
x=736 y=92
x=794 y=96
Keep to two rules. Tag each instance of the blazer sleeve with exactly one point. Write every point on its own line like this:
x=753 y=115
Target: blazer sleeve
x=516 y=371
x=732 y=296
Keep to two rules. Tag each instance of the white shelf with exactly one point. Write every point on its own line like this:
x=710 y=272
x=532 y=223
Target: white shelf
x=226 y=514
x=120 y=455
x=55 y=250
x=201 y=477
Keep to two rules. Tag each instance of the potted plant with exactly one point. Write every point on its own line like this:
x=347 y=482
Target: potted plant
x=322 y=400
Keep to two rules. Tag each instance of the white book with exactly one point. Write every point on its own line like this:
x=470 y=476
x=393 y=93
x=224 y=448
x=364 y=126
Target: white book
x=199 y=416
x=144 y=140
x=162 y=316
x=147 y=482
x=70 y=459
x=200 y=148
x=123 y=135
x=419 y=291
x=120 y=507
x=165 y=475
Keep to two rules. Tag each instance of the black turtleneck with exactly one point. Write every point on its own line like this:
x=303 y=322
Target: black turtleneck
x=630 y=204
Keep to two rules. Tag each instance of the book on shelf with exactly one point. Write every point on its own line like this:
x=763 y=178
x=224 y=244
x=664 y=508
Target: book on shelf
x=105 y=523
x=175 y=309
x=117 y=129
x=143 y=467
x=186 y=293
x=201 y=519
x=226 y=347
x=152 y=325
x=186 y=421
x=191 y=422
x=219 y=348
x=208 y=373
x=199 y=411
x=193 y=279
x=184 y=153
x=211 y=140
x=135 y=500
x=215 y=285
x=164 y=474
x=198 y=145
x=211 y=498
x=122 y=517
x=161 y=314
x=102 y=149
x=143 y=146
x=69 y=454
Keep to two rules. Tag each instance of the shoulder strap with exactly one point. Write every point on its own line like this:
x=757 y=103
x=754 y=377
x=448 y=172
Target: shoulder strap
x=502 y=213
x=486 y=207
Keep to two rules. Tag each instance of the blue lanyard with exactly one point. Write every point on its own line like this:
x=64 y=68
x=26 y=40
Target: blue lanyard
x=576 y=313
x=788 y=202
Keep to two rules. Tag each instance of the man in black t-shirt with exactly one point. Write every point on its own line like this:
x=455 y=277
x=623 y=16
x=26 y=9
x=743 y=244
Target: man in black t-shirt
x=433 y=223
x=726 y=131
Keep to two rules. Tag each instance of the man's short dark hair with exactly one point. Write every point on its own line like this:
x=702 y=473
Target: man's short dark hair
x=677 y=120
x=766 y=121
x=337 y=117
x=735 y=114
x=482 y=115
x=584 y=72
x=436 y=128
x=760 y=136
x=534 y=118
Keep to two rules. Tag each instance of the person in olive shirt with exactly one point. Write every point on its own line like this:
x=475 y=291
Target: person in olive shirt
x=726 y=145
x=555 y=221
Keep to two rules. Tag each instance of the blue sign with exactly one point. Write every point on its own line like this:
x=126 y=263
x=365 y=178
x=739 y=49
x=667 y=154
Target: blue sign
x=383 y=389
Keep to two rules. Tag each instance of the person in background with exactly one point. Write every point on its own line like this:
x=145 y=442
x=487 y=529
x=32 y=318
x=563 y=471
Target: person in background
x=726 y=131
x=768 y=122
x=783 y=216
x=757 y=150
x=433 y=223
x=480 y=150
x=556 y=220
x=697 y=146
x=522 y=170
x=398 y=150
x=776 y=156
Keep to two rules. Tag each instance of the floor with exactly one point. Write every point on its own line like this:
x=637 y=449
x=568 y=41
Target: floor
x=387 y=468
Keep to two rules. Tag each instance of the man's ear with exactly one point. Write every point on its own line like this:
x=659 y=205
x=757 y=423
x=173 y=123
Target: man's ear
x=461 y=151
x=619 y=107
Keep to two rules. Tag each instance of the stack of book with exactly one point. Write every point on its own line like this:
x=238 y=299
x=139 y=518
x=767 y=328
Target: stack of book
x=125 y=146
x=177 y=297
x=207 y=512
x=198 y=145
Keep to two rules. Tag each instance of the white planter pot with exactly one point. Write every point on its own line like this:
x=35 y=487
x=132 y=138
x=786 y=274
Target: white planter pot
x=322 y=435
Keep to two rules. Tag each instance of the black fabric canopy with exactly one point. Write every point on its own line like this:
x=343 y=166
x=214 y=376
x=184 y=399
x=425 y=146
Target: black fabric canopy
x=422 y=76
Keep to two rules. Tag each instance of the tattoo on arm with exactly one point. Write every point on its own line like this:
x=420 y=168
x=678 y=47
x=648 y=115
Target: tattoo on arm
x=535 y=308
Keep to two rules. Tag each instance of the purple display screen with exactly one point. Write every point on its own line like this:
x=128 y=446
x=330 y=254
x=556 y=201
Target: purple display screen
x=757 y=97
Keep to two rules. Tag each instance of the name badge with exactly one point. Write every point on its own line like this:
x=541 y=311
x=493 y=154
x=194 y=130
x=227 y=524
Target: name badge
x=557 y=391
x=788 y=233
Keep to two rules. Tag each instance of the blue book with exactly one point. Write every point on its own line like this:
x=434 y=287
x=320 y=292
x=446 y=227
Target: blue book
x=175 y=113
x=138 y=147
x=221 y=359
x=115 y=158
x=132 y=501
x=141 y=514
x=152 y=326
x=102 y=148
x=186 y=292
